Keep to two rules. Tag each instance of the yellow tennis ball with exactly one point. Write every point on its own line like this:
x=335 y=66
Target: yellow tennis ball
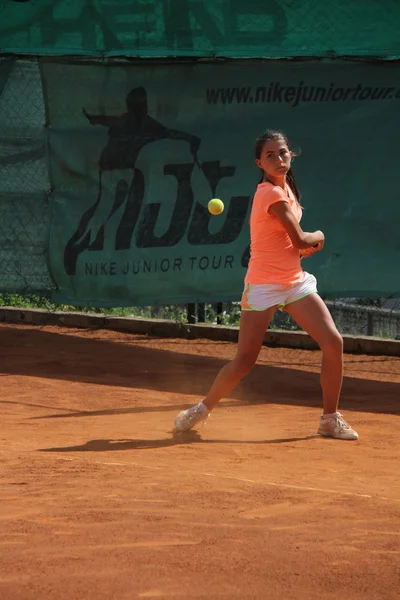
x=215 y=206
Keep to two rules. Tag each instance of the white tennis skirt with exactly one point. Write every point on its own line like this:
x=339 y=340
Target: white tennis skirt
x=261 y=296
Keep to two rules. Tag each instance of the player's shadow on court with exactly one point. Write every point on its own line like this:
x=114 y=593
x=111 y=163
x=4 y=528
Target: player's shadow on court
x=180 y=439
x=141 y=375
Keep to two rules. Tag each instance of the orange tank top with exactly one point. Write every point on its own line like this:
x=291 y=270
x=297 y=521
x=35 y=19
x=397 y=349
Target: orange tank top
x=273 y=258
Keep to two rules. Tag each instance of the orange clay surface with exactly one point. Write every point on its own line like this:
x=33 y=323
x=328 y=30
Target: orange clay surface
x=98 y=499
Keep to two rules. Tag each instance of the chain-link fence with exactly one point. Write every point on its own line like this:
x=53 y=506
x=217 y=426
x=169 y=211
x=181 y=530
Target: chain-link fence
x=357 y=316
x=23 y=179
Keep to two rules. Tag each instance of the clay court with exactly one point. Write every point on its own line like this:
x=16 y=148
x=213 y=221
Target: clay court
x=100 y=501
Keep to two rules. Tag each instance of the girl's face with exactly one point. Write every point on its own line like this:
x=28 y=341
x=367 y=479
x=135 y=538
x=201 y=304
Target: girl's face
x=275 y=159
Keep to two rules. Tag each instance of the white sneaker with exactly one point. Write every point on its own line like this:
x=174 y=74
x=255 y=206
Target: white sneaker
x=187 y=419
x=335 y=426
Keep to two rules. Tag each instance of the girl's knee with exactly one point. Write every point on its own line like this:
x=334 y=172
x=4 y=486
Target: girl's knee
x=244 y=363
x=332 y=345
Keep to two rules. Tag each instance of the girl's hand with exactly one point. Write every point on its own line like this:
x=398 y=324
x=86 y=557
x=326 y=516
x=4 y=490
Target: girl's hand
x=310 y=251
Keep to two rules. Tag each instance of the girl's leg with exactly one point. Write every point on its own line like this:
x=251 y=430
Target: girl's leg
x=314 y=317
x=253 y=325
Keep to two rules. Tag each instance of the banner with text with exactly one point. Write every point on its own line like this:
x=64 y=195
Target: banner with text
x=136 y=152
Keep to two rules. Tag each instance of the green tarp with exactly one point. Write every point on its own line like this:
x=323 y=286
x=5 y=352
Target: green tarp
x=230 y=28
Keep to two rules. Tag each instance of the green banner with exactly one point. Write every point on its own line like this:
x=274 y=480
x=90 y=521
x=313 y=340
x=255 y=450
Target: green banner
x=230 y=28
x=136 y=152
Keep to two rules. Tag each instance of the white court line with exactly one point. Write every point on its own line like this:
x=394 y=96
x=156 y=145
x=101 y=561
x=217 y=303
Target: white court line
x=260 y=482
x=245 y=480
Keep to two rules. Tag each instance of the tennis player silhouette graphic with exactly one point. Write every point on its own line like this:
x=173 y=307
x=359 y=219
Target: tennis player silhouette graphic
x=128 y=134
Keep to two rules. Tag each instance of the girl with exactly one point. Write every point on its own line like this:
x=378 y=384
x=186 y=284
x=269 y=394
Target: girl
x=274 y=280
